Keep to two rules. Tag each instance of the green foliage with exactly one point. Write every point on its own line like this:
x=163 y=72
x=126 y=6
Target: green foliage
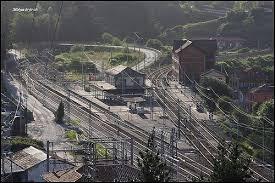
x=107 y=37
x=59 y=113
x=71 y=134
x=77 y=48
x=151 y=165
x=74 y=122
x=154 y=43
x=18 y=143
x=224 y=105
x=264 y=63
x=116 y=41
x=266 y=109
x=236 y=169
x=221 y=88
x=255 y=108
x=243 y=50
x=124 y=59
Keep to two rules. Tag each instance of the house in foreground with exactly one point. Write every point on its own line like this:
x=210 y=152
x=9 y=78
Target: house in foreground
x=28 y=165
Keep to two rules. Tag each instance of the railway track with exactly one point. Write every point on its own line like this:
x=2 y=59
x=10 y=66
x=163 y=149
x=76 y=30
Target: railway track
x=209 y=149
x=102 y=126
x=188 y=162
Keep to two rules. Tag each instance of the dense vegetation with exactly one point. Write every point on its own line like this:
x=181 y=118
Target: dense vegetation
x=18 y=143
x=251 y=25
x=92 y=18
x=264 y=64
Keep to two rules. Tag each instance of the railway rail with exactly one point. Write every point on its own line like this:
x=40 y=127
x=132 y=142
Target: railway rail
x=207 y=149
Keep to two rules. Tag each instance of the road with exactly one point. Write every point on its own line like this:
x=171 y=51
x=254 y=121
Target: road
x=151 y=55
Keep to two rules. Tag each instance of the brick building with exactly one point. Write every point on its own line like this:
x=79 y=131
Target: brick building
x=259 y=94
x=247 y=79
x=191 y=58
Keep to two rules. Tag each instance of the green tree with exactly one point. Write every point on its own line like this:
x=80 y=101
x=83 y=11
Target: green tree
x=154 y=43
x=77 y=48
x=107 y=37
x=255 y=108
x=233 y=169
x=59 y=115
x=267 y=110
x=224 y=104
x=151 y=165
x=116 y=41
x=221 y=88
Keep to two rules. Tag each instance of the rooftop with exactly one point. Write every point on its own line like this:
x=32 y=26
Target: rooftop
x=208 y=46
x=69 y=175
x=102 y=85
x=29 y=157
x=116 y=70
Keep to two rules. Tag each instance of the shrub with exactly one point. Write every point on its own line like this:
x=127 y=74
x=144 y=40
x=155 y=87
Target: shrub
x=116 y=41
x=77 y=47
x=71 y=134
x=224 y=105
x=243 y=50
x=18 y=143
x=154 y=43
x=107 y=37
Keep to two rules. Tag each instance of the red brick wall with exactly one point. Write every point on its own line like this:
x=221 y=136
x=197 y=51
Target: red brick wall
x=192 y=63
x=260 y=97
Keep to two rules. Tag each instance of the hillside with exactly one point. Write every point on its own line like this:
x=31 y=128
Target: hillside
x=256 y=26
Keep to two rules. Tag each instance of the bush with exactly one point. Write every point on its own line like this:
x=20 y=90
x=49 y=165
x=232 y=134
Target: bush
x=224 y=105
x=77 y=48
x=116 y=42
x=107 y=37
x=154 y=43
x=243 y=50
x=19 y=143
x=71 y=134
x=218 y=86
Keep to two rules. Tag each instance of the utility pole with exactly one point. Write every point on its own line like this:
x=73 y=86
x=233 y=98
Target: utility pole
x=82 y=76
x=263 y=140
x=151 y=104
x=179 y=118
x=90 y=120
x=162 y=143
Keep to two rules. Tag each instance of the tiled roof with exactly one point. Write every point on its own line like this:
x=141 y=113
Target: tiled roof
x=116 y=70
x=122 y=173
x=207 y=46
x=29 y=157
x=6 y=163
x=69 y=175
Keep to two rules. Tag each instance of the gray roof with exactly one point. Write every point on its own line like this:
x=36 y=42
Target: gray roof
x=207 y=46
x=29 y=157
x=6 y=163
x=116 y=70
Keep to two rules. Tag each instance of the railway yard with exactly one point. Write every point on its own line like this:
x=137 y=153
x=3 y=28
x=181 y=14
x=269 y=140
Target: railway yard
x=185 y=138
